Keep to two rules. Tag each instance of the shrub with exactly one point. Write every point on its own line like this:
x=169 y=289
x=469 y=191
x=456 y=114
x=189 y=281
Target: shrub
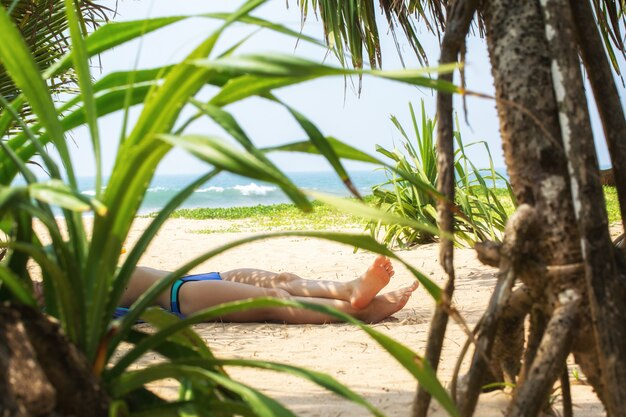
x=482 y=209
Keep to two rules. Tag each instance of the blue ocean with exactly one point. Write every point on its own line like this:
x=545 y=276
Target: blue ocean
x=229 y=190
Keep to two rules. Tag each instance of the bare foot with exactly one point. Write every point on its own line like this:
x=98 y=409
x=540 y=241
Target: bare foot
x=371 y=282
x=385 y=305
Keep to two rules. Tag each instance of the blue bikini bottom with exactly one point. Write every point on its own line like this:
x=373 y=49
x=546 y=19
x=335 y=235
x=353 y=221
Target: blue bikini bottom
x=174 y=292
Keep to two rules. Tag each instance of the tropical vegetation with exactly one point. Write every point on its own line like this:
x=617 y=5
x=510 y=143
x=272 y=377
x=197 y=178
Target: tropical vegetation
x=558 y=268
x=68 y=362
x=285 y=216
x=480 y=214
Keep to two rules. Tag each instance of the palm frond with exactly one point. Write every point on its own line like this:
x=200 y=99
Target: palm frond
x=610 y=18
x=350 y=25
x=43 y=25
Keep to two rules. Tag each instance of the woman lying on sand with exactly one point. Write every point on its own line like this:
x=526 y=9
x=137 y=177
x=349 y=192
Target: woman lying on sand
x=359 y=297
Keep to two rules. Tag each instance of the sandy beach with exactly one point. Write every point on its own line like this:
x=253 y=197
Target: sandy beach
x=340 y=350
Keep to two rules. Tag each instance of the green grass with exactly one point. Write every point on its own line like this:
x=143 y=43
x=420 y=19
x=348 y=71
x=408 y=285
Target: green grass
x=612 y=205
x=502 y=194
x=289 y=217
x=273 y=217
x=610 y=195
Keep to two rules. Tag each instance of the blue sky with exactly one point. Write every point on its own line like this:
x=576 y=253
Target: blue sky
x=362 y=121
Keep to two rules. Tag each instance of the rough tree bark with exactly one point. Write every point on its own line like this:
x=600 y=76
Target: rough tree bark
x=550 y=359
x=534 y=156
x=45 y=375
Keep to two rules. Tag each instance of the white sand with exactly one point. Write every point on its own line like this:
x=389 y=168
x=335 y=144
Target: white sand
x=342 y=351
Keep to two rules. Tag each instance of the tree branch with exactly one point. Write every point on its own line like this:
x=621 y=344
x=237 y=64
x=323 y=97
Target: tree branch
x=566 y=393
x=458 y=22
x=605 y=92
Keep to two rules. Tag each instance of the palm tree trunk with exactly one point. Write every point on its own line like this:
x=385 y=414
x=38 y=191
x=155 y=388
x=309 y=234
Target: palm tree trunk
x=533 y=152
x=537 y=166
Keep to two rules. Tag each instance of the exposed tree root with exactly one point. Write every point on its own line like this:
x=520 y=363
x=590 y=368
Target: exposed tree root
x=509 y=342
x=566 y=393
x=488 y=252
x=531 y=395
x=520 y=229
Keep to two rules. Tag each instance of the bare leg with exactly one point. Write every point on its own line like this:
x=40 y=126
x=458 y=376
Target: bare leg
x=358 y=292
x=142 y=278
x=196 y=296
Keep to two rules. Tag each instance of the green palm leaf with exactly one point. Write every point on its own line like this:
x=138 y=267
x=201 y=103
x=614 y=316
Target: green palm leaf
x=111 y=35
x=416 y=365
x=57 y=193
x=282 y=67
x=81 y=65
x=17 y=286
x=341 y=149
x=161 y=319
x=260 y=404
x=323 y=380
x=138 y=157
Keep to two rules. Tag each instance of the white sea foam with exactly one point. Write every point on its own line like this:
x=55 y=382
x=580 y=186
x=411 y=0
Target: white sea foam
x=210 y=189
x=254 y=189
x=157 y=189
